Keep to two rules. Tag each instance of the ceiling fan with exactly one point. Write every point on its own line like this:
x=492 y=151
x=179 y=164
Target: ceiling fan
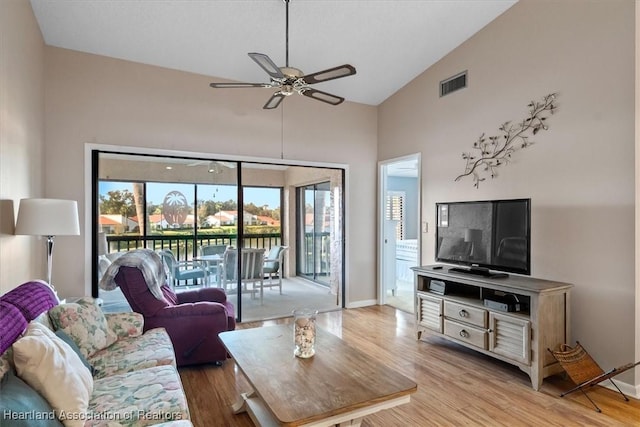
x=289 y=80
x=212 y=164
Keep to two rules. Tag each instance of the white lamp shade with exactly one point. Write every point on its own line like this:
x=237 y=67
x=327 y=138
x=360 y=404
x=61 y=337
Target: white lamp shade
x=48 y=217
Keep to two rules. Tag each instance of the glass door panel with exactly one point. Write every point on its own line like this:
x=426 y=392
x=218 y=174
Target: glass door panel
x=315 y=214
x=262 y=232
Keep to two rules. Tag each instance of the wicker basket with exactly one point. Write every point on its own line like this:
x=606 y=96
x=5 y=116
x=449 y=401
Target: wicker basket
x=578 y=364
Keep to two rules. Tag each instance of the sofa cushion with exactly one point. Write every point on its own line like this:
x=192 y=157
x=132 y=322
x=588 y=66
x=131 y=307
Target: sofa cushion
x=146 y=397
x=153 y=348
x=31 y=298
x=125 y=325
x=85 y=323
x=17 y=399
x=50 y=366
x=71 y=343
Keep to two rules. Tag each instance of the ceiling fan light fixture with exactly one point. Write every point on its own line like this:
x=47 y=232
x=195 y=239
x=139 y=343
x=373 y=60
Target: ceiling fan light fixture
x=291 y=73
x=214 y=167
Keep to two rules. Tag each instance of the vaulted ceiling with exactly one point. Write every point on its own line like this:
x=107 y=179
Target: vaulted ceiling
x=389 y=42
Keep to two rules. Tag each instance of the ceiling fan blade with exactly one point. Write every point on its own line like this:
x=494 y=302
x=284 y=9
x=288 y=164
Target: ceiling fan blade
x=238 y=85
x=274 y=101
x=322 y=96
x=330 y=74
x=267 y=64
x=229 y=165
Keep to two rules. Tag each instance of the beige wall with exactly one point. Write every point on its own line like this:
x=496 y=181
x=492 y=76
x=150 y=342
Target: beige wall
x=579 y=174
x=637 y=180
x=94 y=99
x=21 y=139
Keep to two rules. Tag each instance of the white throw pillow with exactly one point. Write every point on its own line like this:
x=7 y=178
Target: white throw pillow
x=52 y=368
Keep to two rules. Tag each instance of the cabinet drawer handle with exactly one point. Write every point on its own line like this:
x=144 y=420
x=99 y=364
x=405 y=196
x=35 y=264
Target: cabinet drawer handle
x=463 y=313
x=464 y=334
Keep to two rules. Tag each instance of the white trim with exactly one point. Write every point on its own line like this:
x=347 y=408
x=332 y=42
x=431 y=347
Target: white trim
x=382 y=185
x=91 y=146
x=629 y=389
x=207 y=156
x=362 y=303
x=636 y=328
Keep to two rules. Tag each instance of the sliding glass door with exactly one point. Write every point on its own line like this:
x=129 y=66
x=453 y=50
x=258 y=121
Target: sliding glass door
x=314 y=215
x=198 y=209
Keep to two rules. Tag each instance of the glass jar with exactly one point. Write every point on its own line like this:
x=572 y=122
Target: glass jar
x=304 y=332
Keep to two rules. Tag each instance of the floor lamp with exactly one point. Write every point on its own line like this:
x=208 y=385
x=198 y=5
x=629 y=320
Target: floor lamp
x=48 y=217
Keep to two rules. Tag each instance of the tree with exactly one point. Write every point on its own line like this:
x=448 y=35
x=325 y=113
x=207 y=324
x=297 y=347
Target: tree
x=229 y=205
x=138 y=201
x=252 y=209
x=118 y=202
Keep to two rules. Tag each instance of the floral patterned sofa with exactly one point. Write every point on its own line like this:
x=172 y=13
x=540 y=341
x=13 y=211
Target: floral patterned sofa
x=72 y=365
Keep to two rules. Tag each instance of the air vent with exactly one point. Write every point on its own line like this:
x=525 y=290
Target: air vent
x=454 y=83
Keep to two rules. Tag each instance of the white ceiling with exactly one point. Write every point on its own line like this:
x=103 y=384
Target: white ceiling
x=389 y=42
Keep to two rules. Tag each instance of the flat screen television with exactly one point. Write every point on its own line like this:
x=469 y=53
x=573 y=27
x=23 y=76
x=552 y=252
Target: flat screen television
x=485 y=236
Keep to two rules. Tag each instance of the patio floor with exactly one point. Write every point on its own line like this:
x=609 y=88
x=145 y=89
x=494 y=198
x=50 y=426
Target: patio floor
x=296 y=293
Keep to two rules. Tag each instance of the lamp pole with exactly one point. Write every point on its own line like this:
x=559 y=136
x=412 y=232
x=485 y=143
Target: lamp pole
x=50 y=260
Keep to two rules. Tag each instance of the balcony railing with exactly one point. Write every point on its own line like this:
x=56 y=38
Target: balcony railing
x=184 y=247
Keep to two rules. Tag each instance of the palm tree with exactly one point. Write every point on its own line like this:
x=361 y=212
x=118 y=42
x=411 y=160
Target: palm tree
x=138 y=200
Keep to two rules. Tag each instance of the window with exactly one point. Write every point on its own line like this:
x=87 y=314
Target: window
x=395 y=207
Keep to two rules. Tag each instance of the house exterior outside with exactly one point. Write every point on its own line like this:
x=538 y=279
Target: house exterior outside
x=116 y=224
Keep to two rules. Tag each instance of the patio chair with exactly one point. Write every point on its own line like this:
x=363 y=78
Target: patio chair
x=183 y=270
x=212 y=249
x=252 y=263
x=584 y=371
x=273 y=266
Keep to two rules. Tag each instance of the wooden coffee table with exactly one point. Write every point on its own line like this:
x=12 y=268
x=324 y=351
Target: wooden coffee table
x=339 y=385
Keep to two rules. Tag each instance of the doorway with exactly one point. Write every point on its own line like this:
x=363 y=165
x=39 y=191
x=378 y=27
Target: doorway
x=399 y=230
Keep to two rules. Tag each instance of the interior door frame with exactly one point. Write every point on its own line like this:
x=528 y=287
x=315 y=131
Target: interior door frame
x=382 y=191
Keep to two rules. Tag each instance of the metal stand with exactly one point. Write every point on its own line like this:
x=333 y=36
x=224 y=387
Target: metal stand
x=50 y=261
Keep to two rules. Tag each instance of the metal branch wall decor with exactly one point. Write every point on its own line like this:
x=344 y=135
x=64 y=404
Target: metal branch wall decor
x=494 y=151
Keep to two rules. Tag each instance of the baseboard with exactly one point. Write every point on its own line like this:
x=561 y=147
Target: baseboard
x=628 y=389
x=363 y=303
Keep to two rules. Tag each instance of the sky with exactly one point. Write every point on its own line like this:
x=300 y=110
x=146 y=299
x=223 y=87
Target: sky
x=156 y=192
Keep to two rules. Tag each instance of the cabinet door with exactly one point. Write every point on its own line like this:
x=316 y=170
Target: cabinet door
x=510 y=337
x=430 y=312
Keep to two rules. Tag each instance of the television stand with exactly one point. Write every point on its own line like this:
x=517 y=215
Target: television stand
x=477 y=271
x=470 y=310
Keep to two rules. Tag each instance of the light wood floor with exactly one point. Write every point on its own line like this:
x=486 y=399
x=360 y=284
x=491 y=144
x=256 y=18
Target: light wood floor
x=456 y=386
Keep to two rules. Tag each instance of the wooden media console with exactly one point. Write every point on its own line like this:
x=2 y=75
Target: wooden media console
x=514 y=319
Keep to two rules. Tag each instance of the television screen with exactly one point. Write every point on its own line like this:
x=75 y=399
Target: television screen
x=486 y=235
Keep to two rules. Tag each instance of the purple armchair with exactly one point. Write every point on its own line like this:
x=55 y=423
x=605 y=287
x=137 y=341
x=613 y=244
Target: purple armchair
x=193 y=319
